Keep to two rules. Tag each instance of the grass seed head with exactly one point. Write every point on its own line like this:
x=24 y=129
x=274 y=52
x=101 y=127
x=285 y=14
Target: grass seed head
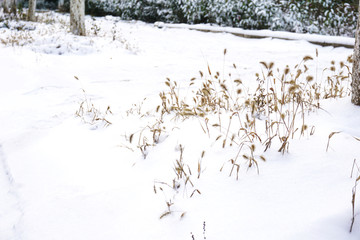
x=307 y=58
x=309 y=78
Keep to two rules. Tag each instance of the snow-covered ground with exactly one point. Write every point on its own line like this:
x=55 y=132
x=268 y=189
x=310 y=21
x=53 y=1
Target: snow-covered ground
x=313 y=38
x=62 y=177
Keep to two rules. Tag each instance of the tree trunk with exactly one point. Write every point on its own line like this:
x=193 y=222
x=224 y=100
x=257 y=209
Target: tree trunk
x=60 y=4
x=13 y=7
x=31 y=11
x=355 y=85
x=77 y=17
x=5 y=6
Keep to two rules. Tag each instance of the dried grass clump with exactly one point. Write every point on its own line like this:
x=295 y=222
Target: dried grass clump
x=17 y=32
x=16 y=38
x=90 y=114
x=234 y=116
x=181 y=182
x=270 y=116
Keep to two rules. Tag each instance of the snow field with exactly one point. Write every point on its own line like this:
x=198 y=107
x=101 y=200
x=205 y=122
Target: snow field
x=73 y=180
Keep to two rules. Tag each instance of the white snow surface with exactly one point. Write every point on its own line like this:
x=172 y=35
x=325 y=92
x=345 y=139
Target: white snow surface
x=61 y=178
x=314 y=38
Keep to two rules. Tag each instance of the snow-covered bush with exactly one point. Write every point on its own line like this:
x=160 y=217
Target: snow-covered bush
x=329 y=17
x=319 y=16
x=147 y=10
